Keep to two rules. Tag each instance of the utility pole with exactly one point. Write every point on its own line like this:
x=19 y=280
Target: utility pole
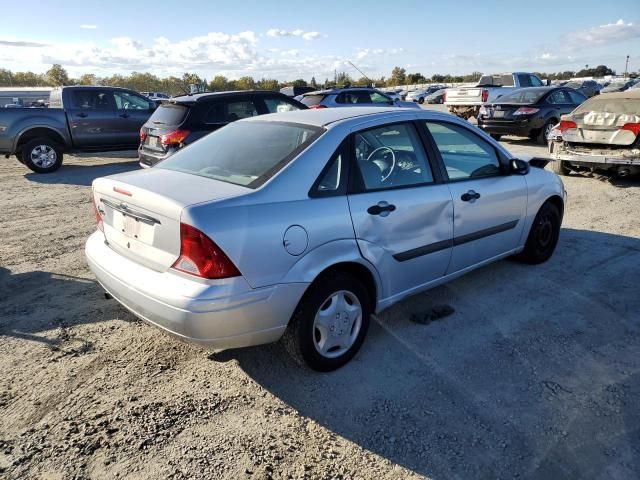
x=626 y=66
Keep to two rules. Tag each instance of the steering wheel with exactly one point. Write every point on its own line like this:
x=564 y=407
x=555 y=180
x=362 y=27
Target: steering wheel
x=393 y=160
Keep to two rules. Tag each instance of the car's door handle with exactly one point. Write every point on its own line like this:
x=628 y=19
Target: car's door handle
x=382 y=208
x=470 y=196
x=124 y=115
x=82 y=114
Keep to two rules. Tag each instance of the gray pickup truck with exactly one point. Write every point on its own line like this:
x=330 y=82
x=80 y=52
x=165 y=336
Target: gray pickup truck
x=465 y=102
x=79 y=119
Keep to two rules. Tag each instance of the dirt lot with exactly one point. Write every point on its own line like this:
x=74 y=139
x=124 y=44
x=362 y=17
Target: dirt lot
x=535 y=375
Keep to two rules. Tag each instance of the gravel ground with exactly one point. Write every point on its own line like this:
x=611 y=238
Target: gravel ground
x=535 y=375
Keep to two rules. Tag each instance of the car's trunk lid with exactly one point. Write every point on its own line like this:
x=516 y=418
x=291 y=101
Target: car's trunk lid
x=464 y=95
x=141 y=211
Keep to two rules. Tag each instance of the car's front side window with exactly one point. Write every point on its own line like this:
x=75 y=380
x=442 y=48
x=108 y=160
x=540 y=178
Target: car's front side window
x=391 y=156
x=465 y=154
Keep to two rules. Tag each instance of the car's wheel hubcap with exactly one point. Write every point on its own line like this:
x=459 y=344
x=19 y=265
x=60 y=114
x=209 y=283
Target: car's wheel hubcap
x=545 y=232
x=547 y=131
x=43 y=156
x=337 y=324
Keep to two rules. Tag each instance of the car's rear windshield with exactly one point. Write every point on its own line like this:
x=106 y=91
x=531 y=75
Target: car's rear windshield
x=311 y=100
x=169 y=114
x=523 y=96
x=244 y=153
x=496 y=81
x=610 y=105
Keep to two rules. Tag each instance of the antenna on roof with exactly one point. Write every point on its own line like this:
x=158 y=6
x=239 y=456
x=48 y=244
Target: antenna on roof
x=361 y=73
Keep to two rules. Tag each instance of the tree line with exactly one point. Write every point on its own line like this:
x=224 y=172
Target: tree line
x=148 y=82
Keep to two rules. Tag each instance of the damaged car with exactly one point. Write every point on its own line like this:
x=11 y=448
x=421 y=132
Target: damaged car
x=601 y=134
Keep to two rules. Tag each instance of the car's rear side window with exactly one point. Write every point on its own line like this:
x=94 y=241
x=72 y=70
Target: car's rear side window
x=169 y=114
x=311 y=100
x=244 y=153
x=226 y=111
x=277 y=105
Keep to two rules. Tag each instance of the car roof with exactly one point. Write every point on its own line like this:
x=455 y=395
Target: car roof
x=630 y=94
x=329 y=91
x=198 y=97
x=325 y=116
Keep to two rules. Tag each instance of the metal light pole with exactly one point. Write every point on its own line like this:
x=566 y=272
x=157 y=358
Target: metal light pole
x=626 y=66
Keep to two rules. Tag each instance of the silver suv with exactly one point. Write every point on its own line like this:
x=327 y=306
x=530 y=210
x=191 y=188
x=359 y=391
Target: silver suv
x=352 y=97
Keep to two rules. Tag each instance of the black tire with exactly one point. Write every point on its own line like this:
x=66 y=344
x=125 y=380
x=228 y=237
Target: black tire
x=421 y=100
x=496 y=136
x=18 y=155
x=541 y=138
x=560 y=168
x=300 y=336
x=543 y=236
x=48 y=147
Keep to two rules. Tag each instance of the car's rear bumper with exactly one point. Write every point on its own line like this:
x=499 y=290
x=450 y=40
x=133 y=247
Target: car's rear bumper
x=148 y=158
x=220 y=315
x=519 y=128
x=613 y=157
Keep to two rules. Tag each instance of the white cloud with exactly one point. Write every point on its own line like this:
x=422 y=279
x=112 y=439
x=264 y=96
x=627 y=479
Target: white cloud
x=298 y=32
x=603 y=35
x=88 y=26
x=373 y=52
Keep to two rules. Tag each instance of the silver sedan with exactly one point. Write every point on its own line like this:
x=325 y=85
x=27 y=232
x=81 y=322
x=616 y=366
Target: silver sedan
x=303 y=224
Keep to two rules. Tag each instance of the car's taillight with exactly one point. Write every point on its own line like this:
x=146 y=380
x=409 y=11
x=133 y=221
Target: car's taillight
x=143 y=135
x=201 y=257
x=526 y=111
x=316 y=107
x=485 y=95
x=174 y=138
x=567 y=125
x=632 y=127
x=99 y=221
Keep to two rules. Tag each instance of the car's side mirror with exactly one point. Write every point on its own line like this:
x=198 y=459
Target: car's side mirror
x=518 y=167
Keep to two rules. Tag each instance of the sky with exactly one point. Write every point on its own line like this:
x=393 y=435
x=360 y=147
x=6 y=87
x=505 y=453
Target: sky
x=288 y=40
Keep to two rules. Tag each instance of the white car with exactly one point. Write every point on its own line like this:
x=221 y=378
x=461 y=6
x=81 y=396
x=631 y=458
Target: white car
x=302 y=224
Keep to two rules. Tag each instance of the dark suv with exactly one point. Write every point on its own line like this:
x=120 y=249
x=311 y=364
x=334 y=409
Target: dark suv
x=183 y=120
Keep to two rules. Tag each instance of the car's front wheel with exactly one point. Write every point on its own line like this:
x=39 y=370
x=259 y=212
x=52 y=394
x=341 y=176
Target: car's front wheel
x=42 y=155
x=421 y=100
x=330 y=323
x=543 y=236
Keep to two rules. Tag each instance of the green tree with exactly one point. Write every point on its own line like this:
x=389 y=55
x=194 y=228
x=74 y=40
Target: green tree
x=398 y=77
x=245 y=83
x=299 y=83
x=57 y=76
x=6 y=77
x=220 y=83
x=313 y=83
x=413 y=78
x=267 y=84
x=88 y=79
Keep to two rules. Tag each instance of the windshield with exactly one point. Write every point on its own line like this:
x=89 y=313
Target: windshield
x=496 y=81
x=610 y=105
x=169 y=114
x=244 y=153
x=311 y=100
x=522 y=96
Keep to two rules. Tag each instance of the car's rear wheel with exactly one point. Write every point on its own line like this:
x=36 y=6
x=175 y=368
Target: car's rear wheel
x=543 y=236
x=330 y=323
x=545 y=131
x=42 y=155
x=421 y=100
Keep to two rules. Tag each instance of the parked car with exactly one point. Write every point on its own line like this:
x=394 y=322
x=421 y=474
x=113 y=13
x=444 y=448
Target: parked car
x=528 y=112
x=393 y=95
x=79 y=119
x=183 y=120
x=601 y=134
x=352 y=97
x=421 y=94
x=304 y=223
x=465 y=102
x=588 y=88
x=619 y=85
x=436 y=97
x=156 y=95
x=292 y=91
